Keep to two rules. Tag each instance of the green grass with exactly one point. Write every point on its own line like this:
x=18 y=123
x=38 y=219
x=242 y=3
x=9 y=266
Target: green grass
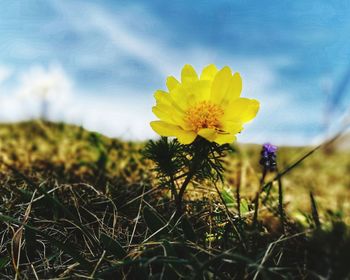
x=78 y=205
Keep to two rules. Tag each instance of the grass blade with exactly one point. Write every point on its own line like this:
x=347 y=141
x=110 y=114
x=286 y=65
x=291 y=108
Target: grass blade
x=112 y=246
x=314 y=211
x=65 y=247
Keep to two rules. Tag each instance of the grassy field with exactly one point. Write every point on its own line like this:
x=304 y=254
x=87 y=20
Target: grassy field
x=78 y=205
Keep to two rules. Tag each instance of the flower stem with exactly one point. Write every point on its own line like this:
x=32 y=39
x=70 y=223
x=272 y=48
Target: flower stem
x=238 y=191
x=280 y=203
x=256 y=200
x=173 y=187
x=199 y=155
x=181 y=193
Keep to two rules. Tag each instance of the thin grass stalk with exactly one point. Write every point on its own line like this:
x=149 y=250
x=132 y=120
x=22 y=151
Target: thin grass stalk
x=257 y=196
x=238 y=191
x=314 y=211
x=280 y=204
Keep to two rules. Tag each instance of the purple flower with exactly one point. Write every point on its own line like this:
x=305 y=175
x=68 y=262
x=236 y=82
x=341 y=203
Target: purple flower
x=270 y=148
x=268 y=157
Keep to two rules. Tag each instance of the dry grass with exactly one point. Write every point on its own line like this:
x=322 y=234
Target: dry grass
x=73 y=206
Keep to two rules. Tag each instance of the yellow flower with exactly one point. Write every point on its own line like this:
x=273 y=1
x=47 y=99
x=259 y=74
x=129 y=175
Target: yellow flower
x=209 y=106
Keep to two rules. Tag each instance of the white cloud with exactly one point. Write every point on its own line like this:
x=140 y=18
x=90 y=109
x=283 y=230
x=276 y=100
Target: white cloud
x=127 y=119
x=112 y=116
x=39 y=81
x=43 y=90
x=5 y=73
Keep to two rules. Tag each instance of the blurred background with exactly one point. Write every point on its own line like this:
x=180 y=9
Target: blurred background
x=97 y=63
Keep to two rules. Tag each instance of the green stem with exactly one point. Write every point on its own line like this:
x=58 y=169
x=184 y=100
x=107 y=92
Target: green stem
x=181 y=193
x=238 y=191
x=198 y=157
x=173 y=187
x=314 y=210
x=280 y=203
x=256 y=200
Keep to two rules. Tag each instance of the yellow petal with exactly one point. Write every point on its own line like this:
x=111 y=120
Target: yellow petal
x=164 y=98
x=225 y=138
x=188 y=74
x=186 y=137
x=209 y=72
x=213 y=136
x=168 y=109
x=242 y=109
x=220 y=85
x=162 y=114
x=232 y=127
x=199 y=91
x=171 y=83
x=208 y=133
x=234 y=89
x=181 y=97
x=166 y=114
x=170 y=115
x=166 y=129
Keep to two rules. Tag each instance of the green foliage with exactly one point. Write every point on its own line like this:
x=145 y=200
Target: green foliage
x=172 y=158
x=199 y=160
x=4 y=261
x=169 y=157
x=96 y=141
x=314 y=211
x=211 y=158
x=153 y=221
x=112 y=247
x=66 y=248
x=188 y=230
x=329 y=252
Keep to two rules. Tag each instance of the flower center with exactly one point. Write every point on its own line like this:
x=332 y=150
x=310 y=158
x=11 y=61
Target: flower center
x=204 y=115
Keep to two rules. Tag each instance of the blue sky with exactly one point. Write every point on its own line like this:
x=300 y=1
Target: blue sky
x=293 y=57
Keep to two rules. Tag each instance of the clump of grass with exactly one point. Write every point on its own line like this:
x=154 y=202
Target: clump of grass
x=77 y=205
